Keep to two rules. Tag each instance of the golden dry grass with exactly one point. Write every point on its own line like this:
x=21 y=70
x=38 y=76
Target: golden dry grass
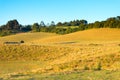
x=92 y=35
x=71 y=52
x=27 y=37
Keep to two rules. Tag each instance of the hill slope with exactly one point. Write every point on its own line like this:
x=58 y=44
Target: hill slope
x=67 y=53
x=27 y=37
x=104 y=34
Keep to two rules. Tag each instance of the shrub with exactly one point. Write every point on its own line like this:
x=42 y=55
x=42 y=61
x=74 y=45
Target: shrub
x=99 y=66
x=21 y=41
x=86 y=67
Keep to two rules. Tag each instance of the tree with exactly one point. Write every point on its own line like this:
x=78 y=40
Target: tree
x=97 y=24
x=48 y=25
x=59 y=24
x=0 y=29
x=82 y=27
x=118 y=26
x=69 y=30
x=42 y=24
x=35 y=27
x=3 y=27
x=73 y=23
x=83 y=22
x=66 y=24
x=61 y=31
x=13 y=25
x=52 y=23
x=118 y=18
x=77 y=23
x=26 y=28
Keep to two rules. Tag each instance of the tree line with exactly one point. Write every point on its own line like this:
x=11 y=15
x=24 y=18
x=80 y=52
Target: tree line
x=13 y=26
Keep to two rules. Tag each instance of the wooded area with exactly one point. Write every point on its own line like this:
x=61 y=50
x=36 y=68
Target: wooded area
x=13 y=26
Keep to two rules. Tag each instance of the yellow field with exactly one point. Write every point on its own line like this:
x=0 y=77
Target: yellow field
x=27 y=37
x=95 y=35
x=53 y=53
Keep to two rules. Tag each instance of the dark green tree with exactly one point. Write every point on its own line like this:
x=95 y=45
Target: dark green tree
x=59 y=24
x=42 y=24
x=35 y=27
x=52 y=24
x=97 y=24
x=13 y=25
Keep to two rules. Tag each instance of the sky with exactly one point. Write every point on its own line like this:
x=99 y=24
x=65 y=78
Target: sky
x=32 y=11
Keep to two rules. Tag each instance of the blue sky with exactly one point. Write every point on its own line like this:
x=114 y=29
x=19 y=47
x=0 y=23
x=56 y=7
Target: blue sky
x=31 y=11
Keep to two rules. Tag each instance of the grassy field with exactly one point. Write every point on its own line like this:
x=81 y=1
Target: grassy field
x=75 y=75
x=27 y=37
x=103 y=35
x=80 y=75
x=85 y=55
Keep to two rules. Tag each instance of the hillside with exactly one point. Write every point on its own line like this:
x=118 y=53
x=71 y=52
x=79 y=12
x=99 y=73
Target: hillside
x=94 y=50
x=27 y=37
x=92 y=35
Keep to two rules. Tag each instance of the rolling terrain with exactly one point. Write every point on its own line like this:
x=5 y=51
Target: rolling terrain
x=27 y=37
x=81 y=55
x=93 y=35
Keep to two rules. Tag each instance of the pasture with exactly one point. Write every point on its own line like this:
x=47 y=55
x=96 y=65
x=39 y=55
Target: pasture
x=27 y=37
x=83 y=55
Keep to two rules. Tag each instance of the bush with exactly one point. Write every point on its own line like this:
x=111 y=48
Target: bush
x=86 y=67
x=22 y=41
x=99 y=67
